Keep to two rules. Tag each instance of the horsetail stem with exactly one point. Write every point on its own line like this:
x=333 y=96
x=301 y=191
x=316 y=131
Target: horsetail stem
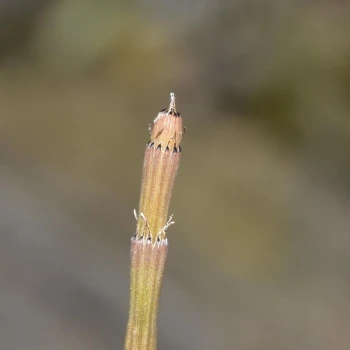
x=149 y=244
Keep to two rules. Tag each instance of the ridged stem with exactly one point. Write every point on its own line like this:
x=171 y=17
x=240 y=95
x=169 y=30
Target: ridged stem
x=149 y=245
x=148 y=261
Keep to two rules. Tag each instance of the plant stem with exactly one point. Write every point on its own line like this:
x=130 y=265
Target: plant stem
x=149 y=245
x=148 y=261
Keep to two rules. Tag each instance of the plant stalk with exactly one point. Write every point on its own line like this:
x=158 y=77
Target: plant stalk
x=149 y=245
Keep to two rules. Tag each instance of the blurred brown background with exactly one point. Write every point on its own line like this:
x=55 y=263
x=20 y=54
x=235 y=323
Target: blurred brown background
x=260 y=253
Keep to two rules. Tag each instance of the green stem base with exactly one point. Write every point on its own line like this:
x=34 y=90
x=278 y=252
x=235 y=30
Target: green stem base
x=147 y=267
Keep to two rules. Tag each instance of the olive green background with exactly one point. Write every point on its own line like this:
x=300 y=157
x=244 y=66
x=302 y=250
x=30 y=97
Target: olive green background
x=259 y=256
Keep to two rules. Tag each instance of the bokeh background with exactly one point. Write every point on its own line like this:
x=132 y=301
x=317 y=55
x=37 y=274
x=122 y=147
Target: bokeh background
x=260 y=254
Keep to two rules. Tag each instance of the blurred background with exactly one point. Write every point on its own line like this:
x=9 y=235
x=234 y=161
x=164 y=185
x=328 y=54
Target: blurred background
x=259 y=257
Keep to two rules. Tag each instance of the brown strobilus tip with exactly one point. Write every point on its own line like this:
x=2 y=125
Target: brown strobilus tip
x=149 y=244
x=168 y=130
